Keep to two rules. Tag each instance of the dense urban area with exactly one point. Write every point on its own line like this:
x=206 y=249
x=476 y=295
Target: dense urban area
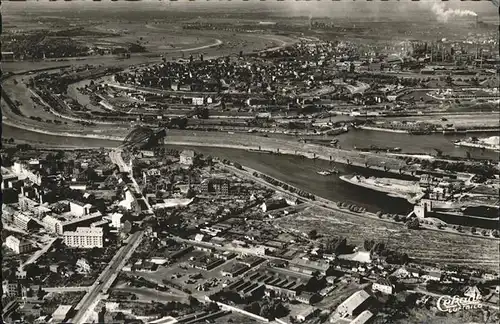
x=249 y=167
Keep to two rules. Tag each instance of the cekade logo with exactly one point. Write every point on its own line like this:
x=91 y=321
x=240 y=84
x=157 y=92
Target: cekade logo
x=454 y=304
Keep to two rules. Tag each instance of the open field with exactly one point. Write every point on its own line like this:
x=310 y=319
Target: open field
x=426 y=246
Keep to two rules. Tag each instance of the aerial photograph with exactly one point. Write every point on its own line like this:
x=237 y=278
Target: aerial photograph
x=251 y=161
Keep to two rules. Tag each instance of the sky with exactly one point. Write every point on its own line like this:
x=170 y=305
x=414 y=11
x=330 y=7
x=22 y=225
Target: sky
x=403 y=9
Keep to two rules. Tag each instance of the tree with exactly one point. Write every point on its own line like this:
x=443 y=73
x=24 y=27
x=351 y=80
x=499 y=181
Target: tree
x=127 y=227
x=213 y=307
x=32 y=270
x=368 y=244
x=279 y=310
x=265 y=311
x=119 y=316
x=254 y=308
x=40 y=293
x=193 y=302
x=312 y=234
x=413 y=224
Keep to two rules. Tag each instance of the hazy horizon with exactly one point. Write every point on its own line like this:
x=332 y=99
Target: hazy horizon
x=401 y=10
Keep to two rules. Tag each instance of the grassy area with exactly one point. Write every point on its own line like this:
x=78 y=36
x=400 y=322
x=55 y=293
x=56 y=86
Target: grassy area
x=53 y=300
x=422 y=245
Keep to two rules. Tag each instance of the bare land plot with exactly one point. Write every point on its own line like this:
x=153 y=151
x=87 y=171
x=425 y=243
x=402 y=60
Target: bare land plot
x=422 y=245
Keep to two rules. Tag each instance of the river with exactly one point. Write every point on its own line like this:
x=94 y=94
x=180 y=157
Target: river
x=424 y=144
x=302 y=172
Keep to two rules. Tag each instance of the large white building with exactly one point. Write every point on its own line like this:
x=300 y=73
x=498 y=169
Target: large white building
x=18 y=245
x=116 y=220
x=84 y=237
x=187 y=157
x=353 y=304
x=10 y=288
x=23 y=221
x=25 y=170
x=53 y=224
x=60 y=224
x=79 y=209
x=129 y=200
x=384 y=286
x=62 y=313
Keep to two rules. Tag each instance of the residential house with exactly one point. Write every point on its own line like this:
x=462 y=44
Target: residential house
x=310 y=267
x=79 y=208
x=252 y=261
x=272 y=204
x=307 y=314
x=433 y=276
x=218 y=186
x=84 y=237
x=234 y=270
x=414 y=272
x=10 y=288
x=473 y=292
x=307 y=297
x=20 y=272
x=384 y=286
x=363 y=318
x=53 y=224
x=24 y=222
x=54 y=268
x=187 y=157
x=62 y=313
x=82 y=266
x=406 y=272
x=18 y=245
x=354 y=303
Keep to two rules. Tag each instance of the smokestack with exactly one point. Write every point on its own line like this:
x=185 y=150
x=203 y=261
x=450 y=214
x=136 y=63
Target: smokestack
x=477 y=22
x=443 y=14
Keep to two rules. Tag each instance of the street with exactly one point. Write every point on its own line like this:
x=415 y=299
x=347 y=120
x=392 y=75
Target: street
x=106 y=279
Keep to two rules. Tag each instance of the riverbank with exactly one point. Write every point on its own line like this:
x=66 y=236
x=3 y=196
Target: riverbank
x=442 y=131
x=408 y=190
x=380 y=129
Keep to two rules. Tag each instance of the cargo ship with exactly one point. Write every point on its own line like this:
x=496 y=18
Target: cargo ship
x=259 y=151
x=328 y=172
x=409 y=190
x=378 y=149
